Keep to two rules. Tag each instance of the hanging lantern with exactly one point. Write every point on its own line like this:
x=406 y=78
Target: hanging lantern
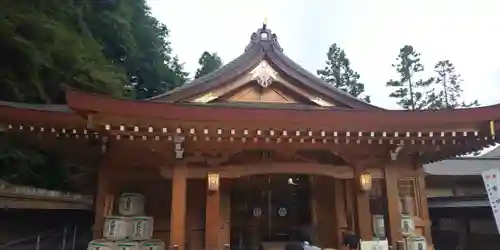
x=365 y=181
x=213 y=182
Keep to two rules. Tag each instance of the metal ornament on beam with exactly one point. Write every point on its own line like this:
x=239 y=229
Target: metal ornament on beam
x=179 y=150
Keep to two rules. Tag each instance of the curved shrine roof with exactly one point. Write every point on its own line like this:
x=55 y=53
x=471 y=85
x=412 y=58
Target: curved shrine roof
x=263 y=46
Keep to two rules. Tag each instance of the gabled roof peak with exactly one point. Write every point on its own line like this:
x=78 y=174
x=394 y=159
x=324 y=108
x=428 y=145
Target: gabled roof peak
x=264 y=37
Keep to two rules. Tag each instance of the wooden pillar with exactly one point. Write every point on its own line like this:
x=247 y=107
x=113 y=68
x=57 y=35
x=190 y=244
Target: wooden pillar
x=178 y=211
x=392 y=175
x=225 y=211
x=340 y=212
x=363 y=215
x=212 y=220
x=349 y=203
x=104 y=201
x=423 y=206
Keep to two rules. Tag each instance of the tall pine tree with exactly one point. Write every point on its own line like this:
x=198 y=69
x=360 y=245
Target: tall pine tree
x=208 y=63
x=409 y=89
x=338 y=73
x=447 y=90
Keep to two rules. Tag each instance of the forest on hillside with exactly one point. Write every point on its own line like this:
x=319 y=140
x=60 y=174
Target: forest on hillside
x=110 y=47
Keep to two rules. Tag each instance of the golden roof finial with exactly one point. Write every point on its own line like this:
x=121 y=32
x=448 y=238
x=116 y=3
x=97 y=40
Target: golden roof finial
x=265 y=20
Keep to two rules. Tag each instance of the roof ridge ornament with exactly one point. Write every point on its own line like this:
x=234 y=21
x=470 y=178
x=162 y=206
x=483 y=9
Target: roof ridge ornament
x=264 y=35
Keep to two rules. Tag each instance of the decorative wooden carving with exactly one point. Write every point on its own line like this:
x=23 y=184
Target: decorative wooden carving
x=264 y=74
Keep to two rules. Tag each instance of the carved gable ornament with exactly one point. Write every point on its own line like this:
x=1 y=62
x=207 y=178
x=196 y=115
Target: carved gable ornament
x=264 y=74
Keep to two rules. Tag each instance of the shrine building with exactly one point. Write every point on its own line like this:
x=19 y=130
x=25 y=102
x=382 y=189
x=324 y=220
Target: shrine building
x=256 y=149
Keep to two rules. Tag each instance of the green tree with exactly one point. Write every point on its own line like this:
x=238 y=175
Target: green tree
x=115 y=48
x=44 y=46
x=447 y=90
x=409 y=89
x=138 y=42
x=208 y=62
x=338 y=73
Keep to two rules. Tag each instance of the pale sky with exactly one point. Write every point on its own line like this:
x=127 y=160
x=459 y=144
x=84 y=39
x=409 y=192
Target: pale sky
x=370 y=31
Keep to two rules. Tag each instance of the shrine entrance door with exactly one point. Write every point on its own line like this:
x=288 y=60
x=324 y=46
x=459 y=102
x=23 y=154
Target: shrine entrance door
x=268 y=208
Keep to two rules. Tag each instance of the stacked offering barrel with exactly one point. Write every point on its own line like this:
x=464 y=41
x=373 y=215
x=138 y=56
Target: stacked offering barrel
x=130 y=230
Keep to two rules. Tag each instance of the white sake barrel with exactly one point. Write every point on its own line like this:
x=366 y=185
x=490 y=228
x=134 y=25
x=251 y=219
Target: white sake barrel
x=116 y=228
x=378 y=223
x=417 y=243
x=128 y=245
x=101 y=244
x=142 y=228
x=131 y=204
x=153 y=244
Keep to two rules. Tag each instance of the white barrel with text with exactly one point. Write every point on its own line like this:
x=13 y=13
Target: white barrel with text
x=101 y=244
x=128 y=245
x=142 y=228
x=116 y=228
x=153 y=244
x=131 y=204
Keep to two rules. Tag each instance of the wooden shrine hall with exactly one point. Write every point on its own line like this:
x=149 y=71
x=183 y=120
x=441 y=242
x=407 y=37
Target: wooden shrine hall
x=256 y=149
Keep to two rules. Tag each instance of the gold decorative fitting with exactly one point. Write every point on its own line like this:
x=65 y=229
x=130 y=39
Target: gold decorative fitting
x=213 y=181
x=205 y=98
x=492 y=128
x=321 y=102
